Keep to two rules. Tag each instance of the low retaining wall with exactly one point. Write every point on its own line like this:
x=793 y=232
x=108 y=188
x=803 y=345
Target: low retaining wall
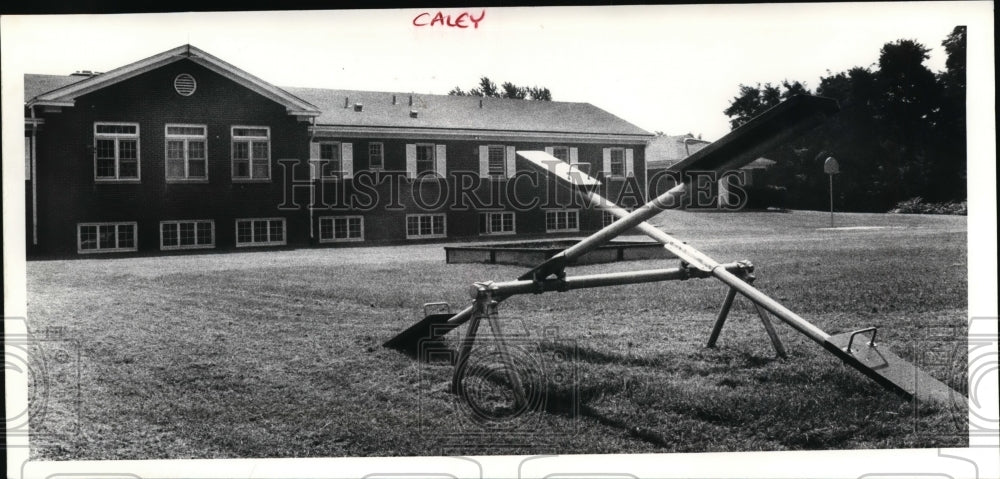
x=531 y=253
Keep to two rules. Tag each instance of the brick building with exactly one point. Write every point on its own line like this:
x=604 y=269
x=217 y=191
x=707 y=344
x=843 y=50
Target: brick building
x=182 y=150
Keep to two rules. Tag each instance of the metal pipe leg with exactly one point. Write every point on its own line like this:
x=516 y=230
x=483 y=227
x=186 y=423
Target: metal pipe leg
x=721 y=319
x=771 y=333
x=466 y=349
x=512 y=374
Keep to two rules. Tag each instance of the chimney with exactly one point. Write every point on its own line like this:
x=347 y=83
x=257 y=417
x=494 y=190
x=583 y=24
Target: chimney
x=413 y=113
x=411 y=100
x=358 y=107
x=480 y=103
x=394 y=99
x=347 y=102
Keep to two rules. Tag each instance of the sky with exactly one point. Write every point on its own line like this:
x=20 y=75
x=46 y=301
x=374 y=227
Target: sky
x=664 y=68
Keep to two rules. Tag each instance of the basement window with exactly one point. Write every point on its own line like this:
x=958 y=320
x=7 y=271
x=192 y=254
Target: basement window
x=496 y=223
x=260 y=232
x=106 y=237
x=196 y=234
x=425 y=226
x=334 y=229
x=562 y=220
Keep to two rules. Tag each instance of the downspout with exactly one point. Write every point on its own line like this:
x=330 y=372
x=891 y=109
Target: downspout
x=312 y=181
x=34 y=179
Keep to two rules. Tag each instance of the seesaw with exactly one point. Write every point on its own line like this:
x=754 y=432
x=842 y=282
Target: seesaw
x=858 y=349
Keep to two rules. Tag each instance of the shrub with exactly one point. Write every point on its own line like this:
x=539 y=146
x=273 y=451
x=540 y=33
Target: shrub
x=917 y=206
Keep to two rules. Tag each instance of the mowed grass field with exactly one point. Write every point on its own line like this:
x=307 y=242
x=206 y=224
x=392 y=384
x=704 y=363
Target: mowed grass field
x=278 y=353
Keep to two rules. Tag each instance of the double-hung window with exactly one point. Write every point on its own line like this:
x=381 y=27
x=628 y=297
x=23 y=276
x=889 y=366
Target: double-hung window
x=376 y=156
x=561 y=152
x=260 y=232
x=617 y=161
x=251 y=153
x=425 y=226
x=106 y=237
x=331 y=164
x=334 y=229
x=193 y=234
x=187 y=157
x=496 y=223
x=497 y=164
x=562 y=220
x=116 y=151
x=425 y=160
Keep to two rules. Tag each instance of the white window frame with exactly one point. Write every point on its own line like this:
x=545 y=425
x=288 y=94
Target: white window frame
x=168 y=137
x=116 y=248
x=566 y=212
x=381 y=156
x=179 y=246
x=233 y=139
x=425 y=174
x=324 y=162
x=333 y=226
x=117 y=137
x=611 y=163
x=607 y=218
x=269 y=242
x=503 y=162
x=488 y=215
x=560 y=147
x=419 y=235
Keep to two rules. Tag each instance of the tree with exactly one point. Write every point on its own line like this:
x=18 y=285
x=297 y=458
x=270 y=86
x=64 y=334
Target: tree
x=489 y=89
x=900 y=132
x=754 y=100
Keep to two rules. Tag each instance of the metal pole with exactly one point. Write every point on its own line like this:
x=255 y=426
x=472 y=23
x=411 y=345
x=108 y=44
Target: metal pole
x=831 y=200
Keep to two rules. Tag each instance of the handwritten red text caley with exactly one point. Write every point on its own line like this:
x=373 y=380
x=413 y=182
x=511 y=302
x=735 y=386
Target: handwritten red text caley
x=462 y=20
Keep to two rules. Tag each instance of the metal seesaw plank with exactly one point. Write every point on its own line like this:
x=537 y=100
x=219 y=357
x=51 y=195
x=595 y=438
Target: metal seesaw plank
x=893 y=372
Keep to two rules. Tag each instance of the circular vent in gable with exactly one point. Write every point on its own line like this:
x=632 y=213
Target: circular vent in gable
x=185 y=84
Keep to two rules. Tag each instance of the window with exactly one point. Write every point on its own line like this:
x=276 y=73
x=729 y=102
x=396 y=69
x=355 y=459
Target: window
x=607 y=218
x=260 y=232
x=106 y=237
x=425 y=160
x=376 y=156
x=341 y=228
x=562 y=220
x=331 y=166
x=497 y=223
x=186 y=152
x=251 y=152
x=617 y=162
x=425 y=226
x=561 y=152
x=497 y=165
x=116 y=151
x=187 y=234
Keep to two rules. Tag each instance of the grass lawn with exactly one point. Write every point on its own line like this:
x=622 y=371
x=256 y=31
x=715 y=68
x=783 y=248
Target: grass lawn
x=278 y=354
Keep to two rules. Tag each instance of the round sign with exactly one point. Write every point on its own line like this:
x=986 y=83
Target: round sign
x=830 y=166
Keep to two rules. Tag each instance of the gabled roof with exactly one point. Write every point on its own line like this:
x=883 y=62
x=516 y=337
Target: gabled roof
x=336 y=108
x=65 y=95
x=666 y=150
x=461 y=112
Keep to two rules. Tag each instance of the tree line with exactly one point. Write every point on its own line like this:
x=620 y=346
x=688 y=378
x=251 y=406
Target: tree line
x=488 y=89
x=900 y=134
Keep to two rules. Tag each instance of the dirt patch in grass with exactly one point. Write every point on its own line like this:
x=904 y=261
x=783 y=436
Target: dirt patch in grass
x=278 y=354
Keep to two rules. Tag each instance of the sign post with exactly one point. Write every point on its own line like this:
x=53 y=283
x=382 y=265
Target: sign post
x=831 y=167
